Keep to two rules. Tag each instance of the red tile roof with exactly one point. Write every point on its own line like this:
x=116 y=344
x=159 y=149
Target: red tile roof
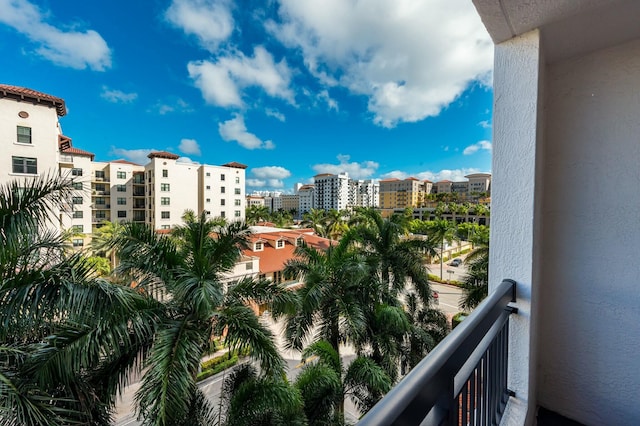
x=24 y=94
x=235 y=165
x=411 y=178
x=163 y=154
x=390 y=180
x=125 y=162
x=76 y=151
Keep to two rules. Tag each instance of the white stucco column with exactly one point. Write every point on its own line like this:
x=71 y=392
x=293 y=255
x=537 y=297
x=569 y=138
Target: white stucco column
x=516 y=184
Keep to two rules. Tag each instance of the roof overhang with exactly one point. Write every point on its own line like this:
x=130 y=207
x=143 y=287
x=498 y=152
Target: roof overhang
x=568 y=27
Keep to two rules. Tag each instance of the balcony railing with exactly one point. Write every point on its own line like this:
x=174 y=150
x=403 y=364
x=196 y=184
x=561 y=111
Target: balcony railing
x=463 y=381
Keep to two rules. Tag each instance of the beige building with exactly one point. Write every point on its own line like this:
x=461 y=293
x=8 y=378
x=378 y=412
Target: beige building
x=399 y=194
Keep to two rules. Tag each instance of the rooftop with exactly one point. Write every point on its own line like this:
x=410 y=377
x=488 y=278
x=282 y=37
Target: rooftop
x=24 y=94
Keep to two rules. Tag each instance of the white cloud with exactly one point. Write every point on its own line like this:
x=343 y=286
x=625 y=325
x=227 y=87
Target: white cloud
x=275 y=114
x=410 y=58
x=189 y=146
x=138 y=156
x=177 y=105
x=256 y=183
x=221 y=82
x=332 y=104
x=482 y=145
x=270 y=172
x=235 y=130
x=485 y=124
x=186 y=160
x=117 y=96
x=356 y=170
x=210 y=21
x=74 y=49
x=457 y=175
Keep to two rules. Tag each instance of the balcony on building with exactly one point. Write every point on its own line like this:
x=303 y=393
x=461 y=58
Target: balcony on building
x=564 y=212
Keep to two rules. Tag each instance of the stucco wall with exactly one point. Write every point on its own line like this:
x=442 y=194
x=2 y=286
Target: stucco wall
x=589 y=337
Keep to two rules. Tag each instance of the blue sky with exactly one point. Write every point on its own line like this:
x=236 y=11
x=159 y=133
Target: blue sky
x=291 y=88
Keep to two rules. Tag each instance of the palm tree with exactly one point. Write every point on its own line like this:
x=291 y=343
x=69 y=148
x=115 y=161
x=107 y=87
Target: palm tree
x=247 y=398
x=330 y=298
x=66 y=338
x=442 y=231
x=315 y=218
x=335 y=224
x=325 y=383
x=187 y=276
x=476 y=282
x=255 y=214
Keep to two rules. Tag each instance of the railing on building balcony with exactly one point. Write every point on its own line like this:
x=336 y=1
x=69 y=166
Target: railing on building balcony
x=463 y=381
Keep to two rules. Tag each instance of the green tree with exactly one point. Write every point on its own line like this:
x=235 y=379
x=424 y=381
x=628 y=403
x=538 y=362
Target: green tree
x=325 y=383
x=187 y=276
x=255 y=214
x=315 y=219
x=66 y=338
x=476 y=282
x=329 y=299
x=441 y=231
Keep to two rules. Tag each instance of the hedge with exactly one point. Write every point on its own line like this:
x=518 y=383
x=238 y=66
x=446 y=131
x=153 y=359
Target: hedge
x=222 y=363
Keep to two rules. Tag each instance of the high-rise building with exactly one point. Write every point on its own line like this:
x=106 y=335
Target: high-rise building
x=331 y=191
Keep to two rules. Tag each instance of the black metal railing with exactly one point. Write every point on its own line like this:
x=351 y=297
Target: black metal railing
x=463 y=381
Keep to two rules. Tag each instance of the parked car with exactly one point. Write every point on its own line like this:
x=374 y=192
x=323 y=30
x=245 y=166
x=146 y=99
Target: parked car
x=456 y=262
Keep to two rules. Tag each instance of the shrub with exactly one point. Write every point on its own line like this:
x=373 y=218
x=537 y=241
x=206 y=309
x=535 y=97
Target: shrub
x=218 y=367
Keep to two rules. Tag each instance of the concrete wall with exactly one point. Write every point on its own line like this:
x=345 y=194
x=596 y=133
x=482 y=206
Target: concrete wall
x=590 y=301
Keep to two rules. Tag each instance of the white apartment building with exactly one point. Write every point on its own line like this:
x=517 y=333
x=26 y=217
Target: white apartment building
x=331 y=191
x=255 y=200
x=222 y=191
x=306 y=198
x=364 y=193
x=479 y=182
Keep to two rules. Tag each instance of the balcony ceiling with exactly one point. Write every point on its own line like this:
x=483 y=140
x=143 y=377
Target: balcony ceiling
x=568 y=27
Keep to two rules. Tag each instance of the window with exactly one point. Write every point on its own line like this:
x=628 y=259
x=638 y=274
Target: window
x=101 y=214
x=249 y=266
x=99 y=174
x=76 y=172
x=237 y=213
x=208 y=200
x=165 y=226
x=221 y=177
x=237 y=179
x=25 y=165
x=299 y=242
x=24 y=134
x=237 y=191
x=208 y=174
x=165 y=187
x=222 y=190
x=122 y=213
x=223 y=214
x=76 y=200
x=121 y=175
x=99 y=200
x=236 y=202
x=165 y=215
x=77 y=185
x=78 y=242
x=122 y=201
x=165 y=201
x=259 y=246
x=165 y=173
x=78 y=214
x=222 y=202
x=208 y=186
x=279 y=244
x=121 y=188
x=77 y=229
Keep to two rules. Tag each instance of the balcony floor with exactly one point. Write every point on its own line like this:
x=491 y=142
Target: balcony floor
x=549 y=418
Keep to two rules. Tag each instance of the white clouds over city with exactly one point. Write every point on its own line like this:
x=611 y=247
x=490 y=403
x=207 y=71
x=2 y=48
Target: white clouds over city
x=189 y=146
x=363 y=170
x=138 y=156
x=234 y=130
x=480 y=146
x=457 y=175
x=268 y=176
x=411 y=59
x=78 y=49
